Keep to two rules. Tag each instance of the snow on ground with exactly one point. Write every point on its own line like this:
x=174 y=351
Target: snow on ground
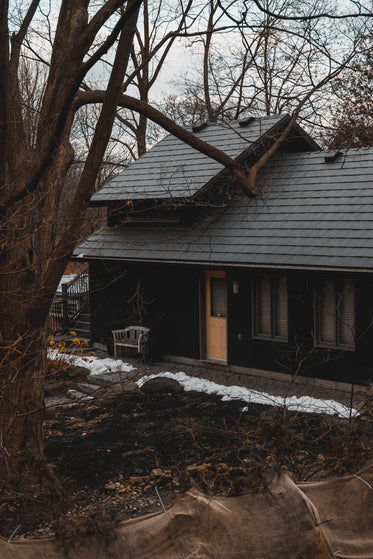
x=96 y=366
x=101 y=367
x=302 y=403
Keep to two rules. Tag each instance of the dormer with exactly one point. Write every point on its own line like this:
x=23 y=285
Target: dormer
x=174 y=184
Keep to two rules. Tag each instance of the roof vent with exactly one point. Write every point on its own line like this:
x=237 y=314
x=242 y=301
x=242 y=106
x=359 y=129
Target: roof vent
x=199 y=126
x=333 y=157
x=246 y=121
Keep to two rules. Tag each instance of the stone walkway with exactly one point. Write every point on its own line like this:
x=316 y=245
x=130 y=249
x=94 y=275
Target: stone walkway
x=95 y=385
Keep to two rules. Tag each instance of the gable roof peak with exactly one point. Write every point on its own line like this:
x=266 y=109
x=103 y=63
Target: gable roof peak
x=173 y=169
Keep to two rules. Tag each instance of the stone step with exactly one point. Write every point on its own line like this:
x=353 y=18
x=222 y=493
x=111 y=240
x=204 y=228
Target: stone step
x=85 y=316
x=54 y=403
x=88 y=388
x=79 y=396
x=81 y=327
x=82 y=319
x=108 y=377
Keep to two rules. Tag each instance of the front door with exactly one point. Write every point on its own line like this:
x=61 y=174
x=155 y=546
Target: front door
x=216 y=315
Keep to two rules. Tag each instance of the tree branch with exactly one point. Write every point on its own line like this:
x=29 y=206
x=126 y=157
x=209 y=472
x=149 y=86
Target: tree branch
x=100 y=140
x=59 y=95
x=274 y=147
x=97 y=21
x=17 y=38
x=125 y=101
x=110 y=40
x=326 y=15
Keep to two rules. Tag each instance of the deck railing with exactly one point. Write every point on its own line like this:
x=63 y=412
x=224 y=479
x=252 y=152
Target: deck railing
x=67 y=306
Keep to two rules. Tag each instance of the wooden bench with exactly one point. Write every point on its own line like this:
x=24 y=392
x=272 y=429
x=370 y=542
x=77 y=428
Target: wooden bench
x=135 y=337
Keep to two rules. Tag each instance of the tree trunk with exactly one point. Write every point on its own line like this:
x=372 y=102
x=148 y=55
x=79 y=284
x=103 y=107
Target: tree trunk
x=25 y=298
x=22 y=375
x=37 y=233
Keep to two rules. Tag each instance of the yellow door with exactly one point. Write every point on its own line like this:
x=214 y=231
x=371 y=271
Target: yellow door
x=216 y=315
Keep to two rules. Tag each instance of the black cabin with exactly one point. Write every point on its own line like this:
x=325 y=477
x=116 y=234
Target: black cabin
x=280 y=283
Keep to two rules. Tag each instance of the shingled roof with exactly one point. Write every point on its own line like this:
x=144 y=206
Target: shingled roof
x=309 y=213
x=174 y=169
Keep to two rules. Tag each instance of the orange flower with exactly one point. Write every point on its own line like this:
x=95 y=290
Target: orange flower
x=73 y=333
x=76 y=341
x=84 y=343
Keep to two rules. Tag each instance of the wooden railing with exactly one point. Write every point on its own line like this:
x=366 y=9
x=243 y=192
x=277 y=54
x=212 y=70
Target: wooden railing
x=65 y=308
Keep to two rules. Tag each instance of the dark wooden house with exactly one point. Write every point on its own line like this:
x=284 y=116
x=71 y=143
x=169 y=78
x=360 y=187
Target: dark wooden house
x=279 y=283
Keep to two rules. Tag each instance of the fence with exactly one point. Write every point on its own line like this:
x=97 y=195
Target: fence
x=67 y=305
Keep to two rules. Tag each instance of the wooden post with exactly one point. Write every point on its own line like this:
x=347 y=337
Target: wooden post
x=65 y=317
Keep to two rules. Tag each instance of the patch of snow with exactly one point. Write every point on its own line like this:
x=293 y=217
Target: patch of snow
x=302 y=403
x=97 y=367
x=104 y=368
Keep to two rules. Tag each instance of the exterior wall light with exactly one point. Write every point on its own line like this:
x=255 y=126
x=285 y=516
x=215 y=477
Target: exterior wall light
x=236 y=287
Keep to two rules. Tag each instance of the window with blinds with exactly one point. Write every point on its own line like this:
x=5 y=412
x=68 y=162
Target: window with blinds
x=335 y=314
x=270 y=306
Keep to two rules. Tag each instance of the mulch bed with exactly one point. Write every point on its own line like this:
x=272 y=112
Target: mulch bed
x=130 y=454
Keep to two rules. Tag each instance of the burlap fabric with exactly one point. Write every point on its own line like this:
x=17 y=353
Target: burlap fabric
x=287 y=521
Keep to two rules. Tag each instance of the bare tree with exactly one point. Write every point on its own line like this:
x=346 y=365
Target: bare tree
x=269 y=64
x=148 y=55
x=38 y=227
x=350 y=123
x=37 y=237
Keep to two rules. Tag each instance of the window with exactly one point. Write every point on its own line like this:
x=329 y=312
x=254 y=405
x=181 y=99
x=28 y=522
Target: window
x=218 y=304
x=270 y=304
x=335 y=314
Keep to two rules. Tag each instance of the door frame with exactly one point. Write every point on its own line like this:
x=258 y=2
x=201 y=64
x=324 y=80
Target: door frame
x=205 y=287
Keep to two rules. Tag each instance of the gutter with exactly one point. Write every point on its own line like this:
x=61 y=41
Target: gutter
x=210 y=264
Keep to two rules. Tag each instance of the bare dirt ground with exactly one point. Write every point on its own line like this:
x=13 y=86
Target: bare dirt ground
x=127 y=454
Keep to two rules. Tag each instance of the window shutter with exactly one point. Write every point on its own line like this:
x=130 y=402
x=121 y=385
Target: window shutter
x=327 y=312
x=218 y=296
x=280 y=301
x=346 y=314
x=264 y=305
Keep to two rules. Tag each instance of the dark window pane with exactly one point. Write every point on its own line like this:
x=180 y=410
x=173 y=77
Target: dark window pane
x=218 y=297
x=264 y=305
x=280 y=302
x=346 y=315
x=335 y=314
x=271 y=307
x=328 y=331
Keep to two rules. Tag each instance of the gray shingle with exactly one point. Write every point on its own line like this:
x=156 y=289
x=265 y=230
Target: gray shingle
x=307 y=216
x=174 y=168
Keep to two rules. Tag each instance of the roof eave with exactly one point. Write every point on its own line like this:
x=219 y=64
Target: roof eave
x=219 y=264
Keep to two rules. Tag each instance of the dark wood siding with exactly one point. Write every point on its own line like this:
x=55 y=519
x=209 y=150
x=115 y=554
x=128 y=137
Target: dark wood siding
x=166 y=298
x=299 y=354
